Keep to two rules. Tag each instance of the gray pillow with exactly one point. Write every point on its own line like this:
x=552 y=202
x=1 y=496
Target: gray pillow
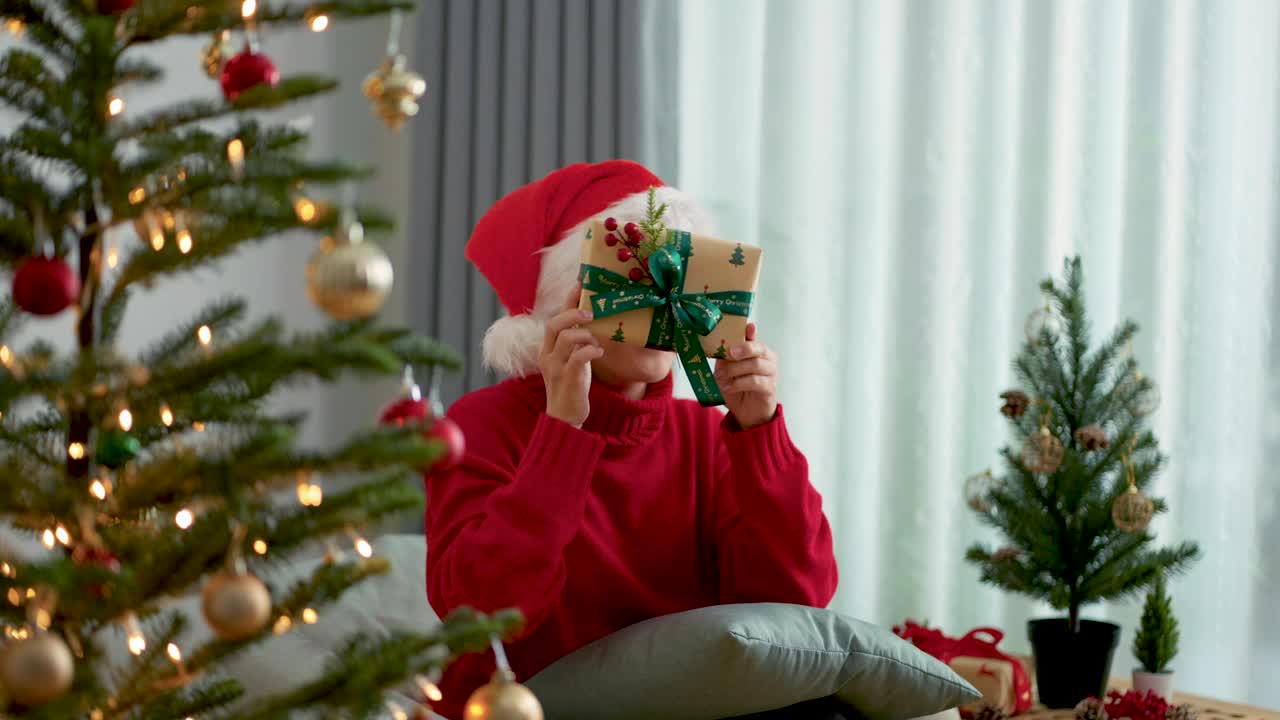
x=731 y=660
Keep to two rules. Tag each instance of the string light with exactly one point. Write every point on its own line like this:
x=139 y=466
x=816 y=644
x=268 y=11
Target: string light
x=429 y=689
x=304 y=208
x=248 y=8
x=43 y=620
x=169 y=220
x=397 y=712
x=166 y=415
x=6 y=570
x=113 y=257
x=155 y=233
x=137 y=643
x=309 y=616
x=235 y=156
x=15 y=598
x=319 y=22
x=260 y=546
x=197 y=426
x=309 y=494
x=98 y=489
x=6 y=355
x=282 y=625
x=184 y=518
x=31 y=593
x=137 y=195
x=184 y=241
x=364 y=548
x=47 y=539
x=15 y=27
x=175 y=653
x=115 y=106
x=62 y=535
x=205 y=335
x=126 y=420
x=75 y=451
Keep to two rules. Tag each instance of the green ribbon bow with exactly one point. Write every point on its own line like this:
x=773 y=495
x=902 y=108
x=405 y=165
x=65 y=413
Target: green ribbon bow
x=679 y=318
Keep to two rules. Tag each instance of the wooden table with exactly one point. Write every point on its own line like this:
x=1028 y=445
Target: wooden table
x=1209 y=708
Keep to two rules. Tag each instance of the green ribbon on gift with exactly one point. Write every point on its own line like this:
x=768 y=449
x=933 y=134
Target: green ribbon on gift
x=679 y=318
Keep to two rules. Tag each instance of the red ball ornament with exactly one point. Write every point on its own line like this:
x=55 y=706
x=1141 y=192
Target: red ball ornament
x=247 y=69
x=636 y=274
x=610 y=224
x=45 y=286
x=96 y=557
x=610 y=239
x=114 y=7
x=624 y=254
x=447 y=432
x=403 y=411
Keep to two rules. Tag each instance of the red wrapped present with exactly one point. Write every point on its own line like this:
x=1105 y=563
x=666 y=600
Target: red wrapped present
x=1001 y=678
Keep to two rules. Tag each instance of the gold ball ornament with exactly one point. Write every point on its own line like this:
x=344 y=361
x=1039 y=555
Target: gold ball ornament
x=394 y=91
x=1042 y=453
x=503 y=699
x=216 y=53
x=347 y=277
x=977 y=490
x=37 y=670
x=1132 y=511
x=236 y=605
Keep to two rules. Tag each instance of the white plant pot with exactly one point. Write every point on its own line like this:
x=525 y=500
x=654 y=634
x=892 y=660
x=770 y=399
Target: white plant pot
x=1160 y=683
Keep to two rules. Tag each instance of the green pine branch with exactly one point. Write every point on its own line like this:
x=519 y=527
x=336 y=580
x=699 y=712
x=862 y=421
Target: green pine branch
x=159 y=19
x=261 y=97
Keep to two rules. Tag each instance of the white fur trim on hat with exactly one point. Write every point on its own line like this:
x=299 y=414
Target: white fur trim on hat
x=511 y=344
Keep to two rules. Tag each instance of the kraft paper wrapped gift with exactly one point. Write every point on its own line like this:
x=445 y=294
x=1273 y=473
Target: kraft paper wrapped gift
x=995 y=679
x=692 y=295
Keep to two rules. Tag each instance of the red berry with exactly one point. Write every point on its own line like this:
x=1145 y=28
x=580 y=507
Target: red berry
x=45 y=286
x=245 y=70
x=624 y=254
x=455 y=445
x=631 y=229
x=610 y=239
x=633 y=241
x=610 y=224
x=636 y=274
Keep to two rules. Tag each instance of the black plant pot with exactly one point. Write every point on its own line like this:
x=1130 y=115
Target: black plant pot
x=1072 y=666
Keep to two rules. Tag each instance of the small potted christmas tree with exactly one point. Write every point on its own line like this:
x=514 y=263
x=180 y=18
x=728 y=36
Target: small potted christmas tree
x=1156 y=644
x=1072 y=503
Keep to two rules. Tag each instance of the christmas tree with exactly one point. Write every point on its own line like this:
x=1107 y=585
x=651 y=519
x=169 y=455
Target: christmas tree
x=1156 y=642
x=617 y=335
x=1071 y=504
x=151 y=474
x=738 y=258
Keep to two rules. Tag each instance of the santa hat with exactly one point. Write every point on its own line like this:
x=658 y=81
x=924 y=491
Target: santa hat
x=529 y=245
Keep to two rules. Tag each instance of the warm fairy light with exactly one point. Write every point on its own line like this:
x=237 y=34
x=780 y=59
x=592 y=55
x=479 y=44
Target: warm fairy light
x=6 y=355
x=235 y=156
x=157 y=238
x=48 y=539
x=15 y=27
x=98 y=489
x=282 y=625
x=31 y=593
x=204 y=335
x=260 y=546
x=184 y=518
x=43 y=620
x=137 y=195
x=21 y=634
x=429 y=689
x=15 y=598
x=166 y=415
x=197 y=426
x=6 y=570
x=319 y=23
x=137 y=643
x=364 y=548
x=309 y=616
x=305 y=209
x=62 y=535
x=113 y=257
x=248 y=8
x=169 y=220
x=184 y=241
x=126 y=420
x=75 y=451
x=397 y=712
x=175 y=653
x=309 y=494
x=115 y=106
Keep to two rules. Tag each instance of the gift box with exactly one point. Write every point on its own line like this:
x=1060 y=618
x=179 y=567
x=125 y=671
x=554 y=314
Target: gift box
x=688 y=293
x=995 y=679
x=1002 y=678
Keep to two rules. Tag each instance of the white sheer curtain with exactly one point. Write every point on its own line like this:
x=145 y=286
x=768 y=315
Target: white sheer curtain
x=913 y=169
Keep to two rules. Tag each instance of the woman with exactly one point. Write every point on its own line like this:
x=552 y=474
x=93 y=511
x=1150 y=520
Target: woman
x=590 y=498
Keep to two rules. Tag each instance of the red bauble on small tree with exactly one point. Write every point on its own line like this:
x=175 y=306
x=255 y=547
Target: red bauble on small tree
x=45 y=286
x=247 y=69
x=411 y=409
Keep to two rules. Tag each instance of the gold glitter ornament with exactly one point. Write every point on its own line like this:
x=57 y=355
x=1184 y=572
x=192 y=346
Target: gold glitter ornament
x=216 y=53
x=347 y=277
x=1042 y=453
x=394 y=91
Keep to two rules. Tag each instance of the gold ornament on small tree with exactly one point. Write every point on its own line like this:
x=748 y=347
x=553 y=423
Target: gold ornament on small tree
x=1132 y=511
x=347 y=277
x=236 y=604
x=1092 y=437
x=502 y=698
x=36 y=666
x=216 y=53
x=1042 y=453
x=393 y=88
x=977 y=490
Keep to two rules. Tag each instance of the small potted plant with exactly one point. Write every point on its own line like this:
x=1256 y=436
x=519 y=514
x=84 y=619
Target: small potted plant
x=1155 y=644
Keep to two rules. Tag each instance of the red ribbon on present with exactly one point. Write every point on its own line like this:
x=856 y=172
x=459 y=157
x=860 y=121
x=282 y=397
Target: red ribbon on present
x=979 y=643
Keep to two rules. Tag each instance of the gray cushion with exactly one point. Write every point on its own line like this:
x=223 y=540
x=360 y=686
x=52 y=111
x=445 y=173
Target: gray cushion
x=732 y=660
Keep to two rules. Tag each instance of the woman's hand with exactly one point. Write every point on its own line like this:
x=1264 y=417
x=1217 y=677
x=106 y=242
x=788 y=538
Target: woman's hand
x=565 y=362
x=749 y=381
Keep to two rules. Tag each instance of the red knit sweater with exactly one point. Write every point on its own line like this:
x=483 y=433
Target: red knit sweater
x=654 y=507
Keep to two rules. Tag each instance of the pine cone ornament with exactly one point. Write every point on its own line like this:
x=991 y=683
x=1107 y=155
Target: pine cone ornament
x=1181 y=712
x=1016 y=403
x=1092 y=437
x=990 y=712
x=1091 y=709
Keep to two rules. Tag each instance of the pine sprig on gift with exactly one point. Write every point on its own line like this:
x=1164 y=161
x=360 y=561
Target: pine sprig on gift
x=654 y=229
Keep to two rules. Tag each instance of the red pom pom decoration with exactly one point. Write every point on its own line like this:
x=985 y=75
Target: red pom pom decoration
x=247 y=69
x=114 y=7
x=610 y=224
x=45 y=286
x=636 y=274
x=447 y=432
x=624 y=254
